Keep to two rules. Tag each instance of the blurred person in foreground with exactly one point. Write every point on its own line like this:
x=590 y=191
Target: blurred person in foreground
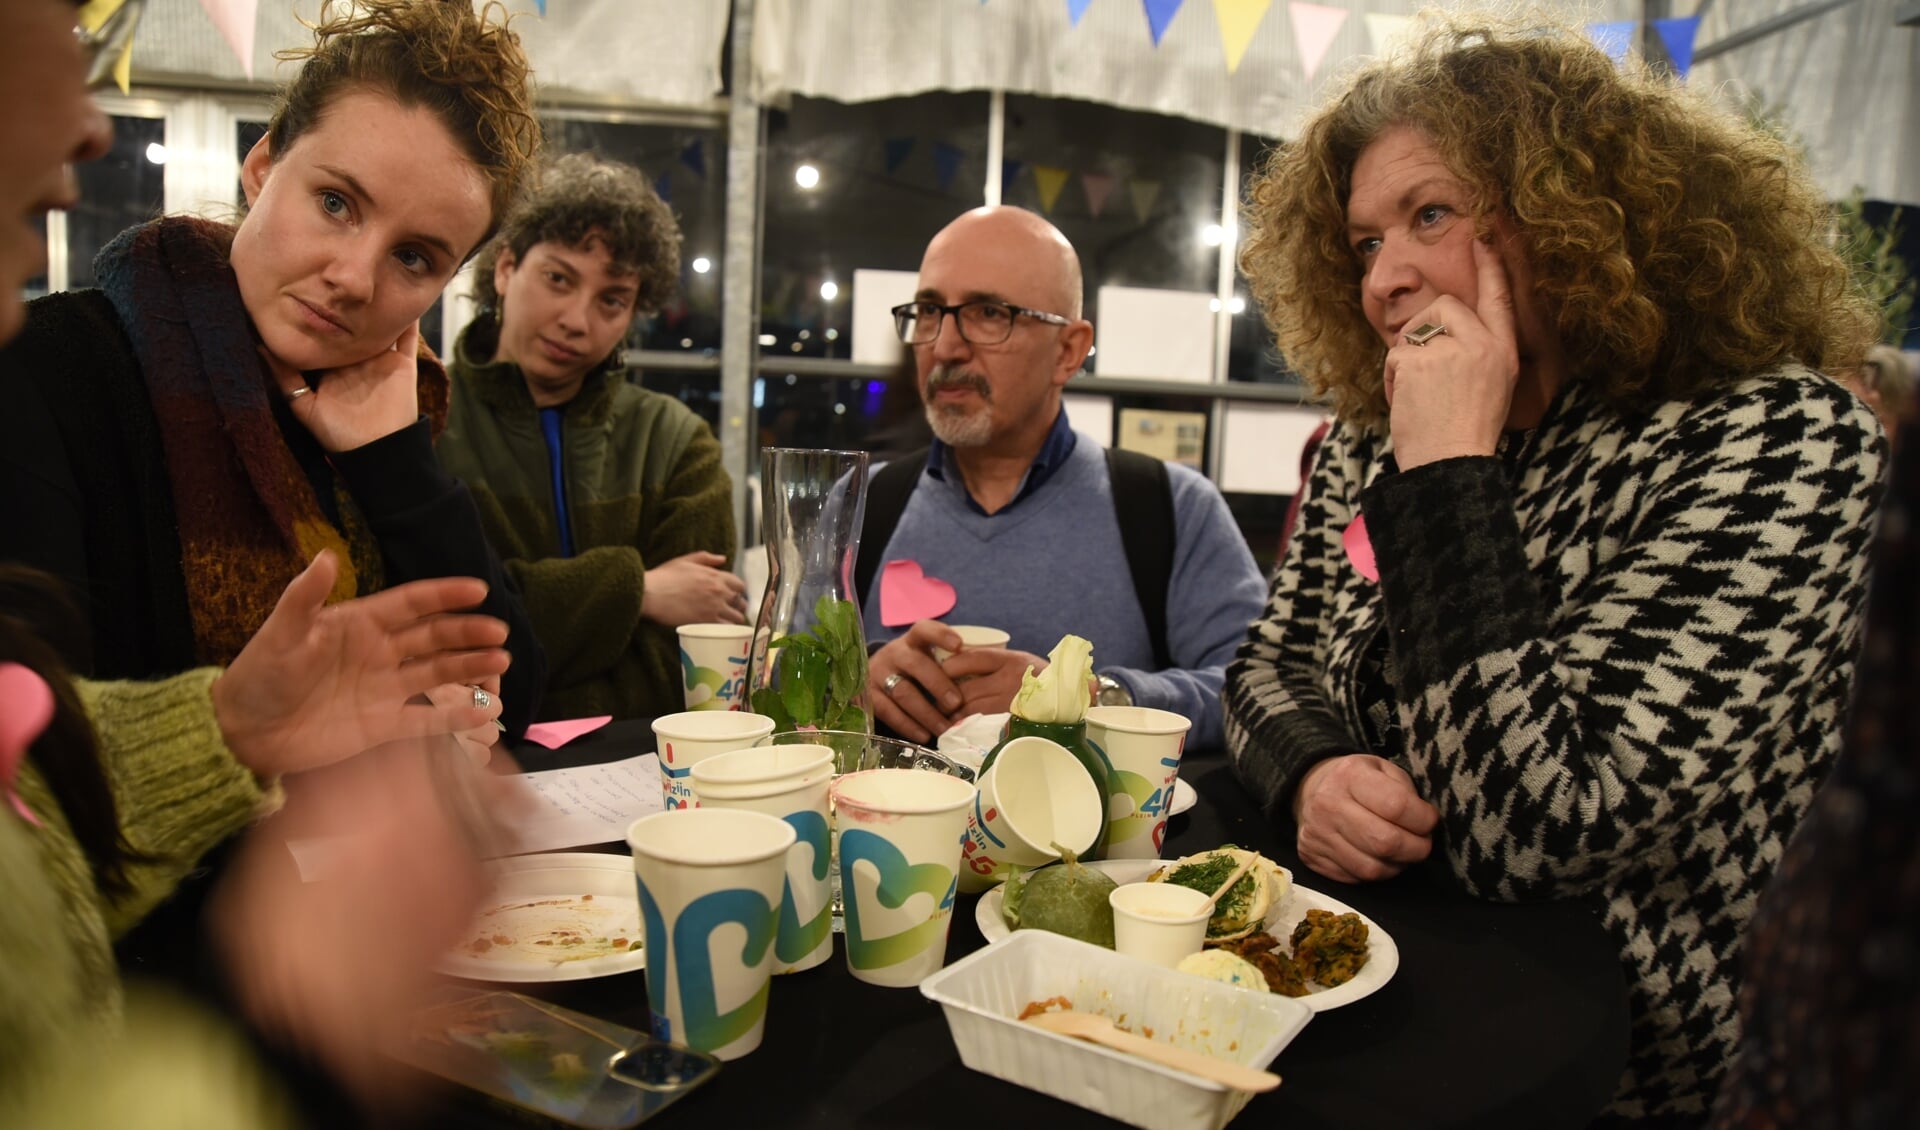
x=1019 y=513
x=607 y=501
x=1572 y=319
x=114 y=790
x=180 y=442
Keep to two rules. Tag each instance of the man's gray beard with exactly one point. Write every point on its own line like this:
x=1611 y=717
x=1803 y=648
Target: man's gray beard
x=972 y=429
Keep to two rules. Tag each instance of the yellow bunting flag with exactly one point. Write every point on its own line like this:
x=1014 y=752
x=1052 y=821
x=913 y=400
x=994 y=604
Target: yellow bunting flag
x=1050 y=179
x=94 y=16
x=1238 y=20
x=1144 y=193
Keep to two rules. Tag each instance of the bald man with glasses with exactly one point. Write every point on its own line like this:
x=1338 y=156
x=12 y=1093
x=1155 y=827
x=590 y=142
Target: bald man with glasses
x=1017 y=513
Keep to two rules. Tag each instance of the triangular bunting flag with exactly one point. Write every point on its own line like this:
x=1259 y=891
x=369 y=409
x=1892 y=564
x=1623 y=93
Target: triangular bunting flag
x=1314 y=26
x=664 y=186
x=94 y=16
x=1050 y=179
x=1677 y=37
x=1076 y=9
x=1238 y=20
x=1388 y=33
x=1145 y=192
x=1159 y=15
x=694 y=157
x=542 y=5
x=1098 y=187
x=946 y=163
x=235 y=20
x=1009 y=172
x=1616 y=39
x=897 y=150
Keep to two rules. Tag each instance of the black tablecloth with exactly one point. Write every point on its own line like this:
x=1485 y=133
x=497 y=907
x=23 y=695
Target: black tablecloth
x=1499 y=1015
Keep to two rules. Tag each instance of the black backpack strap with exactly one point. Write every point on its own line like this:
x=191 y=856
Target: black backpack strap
x=1143 y=504
x=888 y=490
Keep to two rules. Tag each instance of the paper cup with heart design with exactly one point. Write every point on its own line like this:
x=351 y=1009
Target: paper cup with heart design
x=709 y=883
x=684 y=740
x=1035 y=795
x=713 y=665
x=1144 y=746
x=973 y=635
x=899 y=856
x=790 y=783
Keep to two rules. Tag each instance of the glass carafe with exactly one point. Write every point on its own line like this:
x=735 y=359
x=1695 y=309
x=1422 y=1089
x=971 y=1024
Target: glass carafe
x=807 y=666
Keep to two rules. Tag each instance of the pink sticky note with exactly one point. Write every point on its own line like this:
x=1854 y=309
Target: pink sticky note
x=1359 y=549
x=26 y=706
x=553 y=735
x=908 y=594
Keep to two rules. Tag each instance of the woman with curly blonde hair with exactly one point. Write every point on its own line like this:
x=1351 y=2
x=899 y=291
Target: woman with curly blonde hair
x=1579 y=571
x=181 y=442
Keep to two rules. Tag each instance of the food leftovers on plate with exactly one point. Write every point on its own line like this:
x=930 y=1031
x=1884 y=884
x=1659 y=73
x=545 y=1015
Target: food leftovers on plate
x=1224 y=966
x=1328 y=949
x=559 y=929
x=1242 y=910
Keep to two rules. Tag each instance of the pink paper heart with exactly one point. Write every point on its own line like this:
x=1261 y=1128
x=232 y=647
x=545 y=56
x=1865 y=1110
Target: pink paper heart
x=1359 y=549
x=908 y=594
x=26 y=706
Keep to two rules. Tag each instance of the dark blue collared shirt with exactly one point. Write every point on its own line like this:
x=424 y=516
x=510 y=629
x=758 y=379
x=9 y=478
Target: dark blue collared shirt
x=1053 y=454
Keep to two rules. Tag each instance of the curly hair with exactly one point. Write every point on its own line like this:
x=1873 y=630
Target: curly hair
x=1675 y=246
x=466 y=68
x=579 y=195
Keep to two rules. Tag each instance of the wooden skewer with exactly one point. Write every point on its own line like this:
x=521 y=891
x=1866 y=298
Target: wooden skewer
x=1245 y=864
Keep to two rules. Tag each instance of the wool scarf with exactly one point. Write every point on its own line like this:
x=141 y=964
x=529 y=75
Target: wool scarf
x=248 y=516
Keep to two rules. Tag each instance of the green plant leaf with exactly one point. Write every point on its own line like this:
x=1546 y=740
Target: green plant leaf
x=805 y=673
x=766 y=701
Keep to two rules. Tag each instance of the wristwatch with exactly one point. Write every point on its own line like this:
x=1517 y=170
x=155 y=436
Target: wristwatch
x=1113 y=692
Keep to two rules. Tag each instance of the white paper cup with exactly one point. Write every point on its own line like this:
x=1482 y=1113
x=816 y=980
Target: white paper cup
x=749 y=780
x=1033 y=796
x=709 y=882
x=684 y=740
x=1143 y=745
x=972 y=635
x=899 y=854
x=1159 y=922
x=713 y=665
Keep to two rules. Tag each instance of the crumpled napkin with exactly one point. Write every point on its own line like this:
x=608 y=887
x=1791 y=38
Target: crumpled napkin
x=969 y=740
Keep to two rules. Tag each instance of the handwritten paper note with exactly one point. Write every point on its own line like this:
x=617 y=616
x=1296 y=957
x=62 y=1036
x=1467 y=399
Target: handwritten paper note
x=587 y=804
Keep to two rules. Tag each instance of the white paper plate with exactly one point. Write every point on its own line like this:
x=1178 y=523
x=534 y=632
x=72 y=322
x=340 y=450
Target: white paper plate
x=1383 y=955
x=527 y=927
x=1183 y=798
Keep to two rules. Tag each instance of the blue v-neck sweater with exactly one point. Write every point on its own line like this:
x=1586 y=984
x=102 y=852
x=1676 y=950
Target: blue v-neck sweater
x=1052 y=564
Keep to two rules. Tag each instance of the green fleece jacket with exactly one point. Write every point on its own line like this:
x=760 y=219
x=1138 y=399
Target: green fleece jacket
x=69 y=1055
x=644 y=485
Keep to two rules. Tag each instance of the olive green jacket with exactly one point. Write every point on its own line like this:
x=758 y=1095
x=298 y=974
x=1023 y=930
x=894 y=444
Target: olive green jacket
x=644 y=485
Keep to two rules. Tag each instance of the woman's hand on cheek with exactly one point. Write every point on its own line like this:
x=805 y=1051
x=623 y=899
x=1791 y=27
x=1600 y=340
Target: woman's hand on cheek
x=1451 y=396
x=356 y=404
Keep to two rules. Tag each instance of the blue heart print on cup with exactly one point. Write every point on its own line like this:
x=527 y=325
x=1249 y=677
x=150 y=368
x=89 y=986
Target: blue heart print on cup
x=899 y=881
x=797 y=939
x=690 y=956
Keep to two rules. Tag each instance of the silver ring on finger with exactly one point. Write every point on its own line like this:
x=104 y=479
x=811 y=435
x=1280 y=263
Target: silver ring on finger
x=890 y=682
x=481 y=699
x=1424 y=333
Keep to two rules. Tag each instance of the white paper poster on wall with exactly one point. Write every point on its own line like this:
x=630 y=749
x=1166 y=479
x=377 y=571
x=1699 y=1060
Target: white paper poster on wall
x=1163 y=334
x=875 y=294
x=1262 y=447
x=1090 y=415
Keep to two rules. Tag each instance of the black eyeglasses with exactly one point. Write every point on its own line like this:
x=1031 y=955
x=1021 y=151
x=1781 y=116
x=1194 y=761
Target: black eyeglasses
x=980 y=323
x=105 y=44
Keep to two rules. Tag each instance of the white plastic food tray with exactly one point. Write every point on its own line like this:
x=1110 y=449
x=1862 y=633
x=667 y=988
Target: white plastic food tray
x=984 y=992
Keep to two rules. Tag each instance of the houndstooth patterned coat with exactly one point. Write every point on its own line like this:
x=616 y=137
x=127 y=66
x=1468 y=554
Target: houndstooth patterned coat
x=1615 y=656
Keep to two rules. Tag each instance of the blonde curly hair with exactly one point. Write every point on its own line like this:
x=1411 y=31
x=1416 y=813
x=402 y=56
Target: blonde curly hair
x=466 y=68
x=1675 y=246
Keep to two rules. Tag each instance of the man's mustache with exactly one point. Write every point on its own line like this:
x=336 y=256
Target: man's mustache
x=943 y=378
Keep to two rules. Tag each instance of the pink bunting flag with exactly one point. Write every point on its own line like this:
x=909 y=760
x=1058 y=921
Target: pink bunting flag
x=1098 y=187
x=1314 y=26
x=235 y=21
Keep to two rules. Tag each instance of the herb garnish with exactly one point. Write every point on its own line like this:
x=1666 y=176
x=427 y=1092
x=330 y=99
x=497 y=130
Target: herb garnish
x=819 y=674
x=1206 y=877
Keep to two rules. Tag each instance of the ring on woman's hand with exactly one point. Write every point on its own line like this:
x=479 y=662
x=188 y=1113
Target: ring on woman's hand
x=299 y=392
x=890 y=682
x=1424 y=333
x=481 y=699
